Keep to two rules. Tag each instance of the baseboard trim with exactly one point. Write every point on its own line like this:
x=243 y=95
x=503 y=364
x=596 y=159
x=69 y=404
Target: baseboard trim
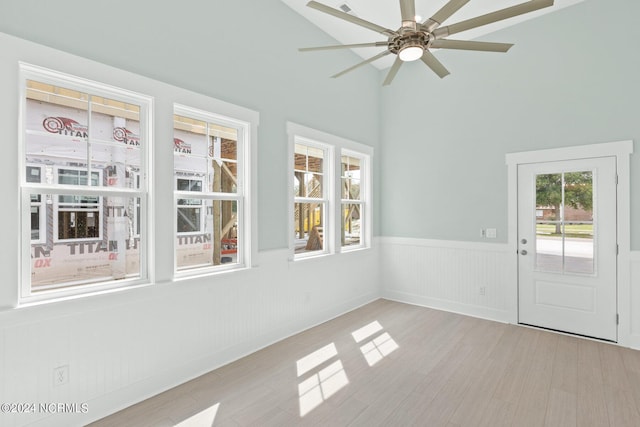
x=450 y=306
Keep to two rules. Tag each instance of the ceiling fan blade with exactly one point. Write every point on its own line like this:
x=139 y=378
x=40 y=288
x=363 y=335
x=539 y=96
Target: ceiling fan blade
x=408 y=10
x=444 y=13
x=471 y=45
x=392 y=72
x=343 y=46
x=492 y=17
x=433 y=63
x=378 y=56
x=350 y=18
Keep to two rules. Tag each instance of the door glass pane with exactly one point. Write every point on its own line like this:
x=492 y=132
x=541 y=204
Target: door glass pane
x=578 y=222
x=549 y=222
x=564 y=222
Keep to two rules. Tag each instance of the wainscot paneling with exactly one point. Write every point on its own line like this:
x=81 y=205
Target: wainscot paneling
x=464 y=277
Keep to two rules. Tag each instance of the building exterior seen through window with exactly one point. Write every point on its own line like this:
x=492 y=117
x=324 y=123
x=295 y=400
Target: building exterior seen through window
x=310 y=194
x=84 y=153
x=352 y=200
x=208 y=191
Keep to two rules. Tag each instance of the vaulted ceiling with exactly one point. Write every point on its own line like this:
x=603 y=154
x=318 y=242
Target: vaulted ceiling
x=387 y=14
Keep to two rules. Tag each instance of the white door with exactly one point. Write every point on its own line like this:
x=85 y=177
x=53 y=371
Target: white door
x=567 y=246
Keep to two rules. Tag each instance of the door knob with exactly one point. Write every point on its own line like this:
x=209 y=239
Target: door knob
x=524 y=241
x=523 y=252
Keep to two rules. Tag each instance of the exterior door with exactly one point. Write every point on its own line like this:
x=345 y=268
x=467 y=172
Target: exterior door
x=567 y=246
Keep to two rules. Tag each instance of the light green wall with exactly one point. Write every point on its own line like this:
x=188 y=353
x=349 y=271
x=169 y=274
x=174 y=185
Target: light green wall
x=572 y=78
x=240 y=51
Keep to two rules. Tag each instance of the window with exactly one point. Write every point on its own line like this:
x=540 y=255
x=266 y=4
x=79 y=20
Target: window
x=310 y=196
x=84 y=191
x=352 y=202
x=210 y=196
x=331 y=187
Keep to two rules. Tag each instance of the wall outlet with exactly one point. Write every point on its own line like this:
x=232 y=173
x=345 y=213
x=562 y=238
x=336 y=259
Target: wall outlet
x=491 y=233
x=483 y=290
x=60 y=375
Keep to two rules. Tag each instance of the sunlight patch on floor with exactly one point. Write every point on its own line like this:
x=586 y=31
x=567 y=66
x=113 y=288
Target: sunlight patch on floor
x=323 y=384
x=202 y=418
x=316 y=358
x=366 y=331
x=379 y=347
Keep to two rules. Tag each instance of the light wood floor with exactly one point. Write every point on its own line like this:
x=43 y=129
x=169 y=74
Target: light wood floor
x=429 y=368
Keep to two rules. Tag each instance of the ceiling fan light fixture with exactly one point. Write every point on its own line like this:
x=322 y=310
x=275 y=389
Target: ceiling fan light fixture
x=411 y=53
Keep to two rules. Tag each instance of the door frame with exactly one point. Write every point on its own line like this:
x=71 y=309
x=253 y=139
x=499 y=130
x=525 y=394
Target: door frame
x=621 y=150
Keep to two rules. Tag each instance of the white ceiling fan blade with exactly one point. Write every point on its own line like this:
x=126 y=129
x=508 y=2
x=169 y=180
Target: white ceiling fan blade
x=443 y=14
x=378 y=56
x=392 y=72
x=433 y=63
x=492 y=17
x=343 y=46
x=471 y=45
x=350 y=18
x=408 y=10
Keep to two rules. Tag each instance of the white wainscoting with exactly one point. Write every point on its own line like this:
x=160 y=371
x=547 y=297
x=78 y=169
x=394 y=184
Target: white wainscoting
x=634 y=300
x=470 y=278
x=126 y=346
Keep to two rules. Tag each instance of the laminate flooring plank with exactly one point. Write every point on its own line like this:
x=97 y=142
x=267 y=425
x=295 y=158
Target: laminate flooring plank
x=614 y=372
x=591 y=404
x=561 y=409
x=621 y=407
x=532 y=404
x=565 y=366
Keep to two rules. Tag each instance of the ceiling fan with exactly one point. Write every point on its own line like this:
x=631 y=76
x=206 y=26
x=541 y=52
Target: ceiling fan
x=413 y=40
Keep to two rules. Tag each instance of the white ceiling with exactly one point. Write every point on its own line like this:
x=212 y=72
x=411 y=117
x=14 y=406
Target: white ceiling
x=387 y=14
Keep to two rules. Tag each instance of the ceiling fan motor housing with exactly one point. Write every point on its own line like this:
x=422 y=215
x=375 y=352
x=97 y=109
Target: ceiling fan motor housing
x=407 y=37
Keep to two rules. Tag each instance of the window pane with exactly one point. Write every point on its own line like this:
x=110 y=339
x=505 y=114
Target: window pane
x=78 y=224
x=209 y=150
x=350 y=189
x=91 y=245
x=578 y=222
x=308 y=185
x=34 y=174
x=308 y=228
x=56 y=123
x=308 y=159
x=35 y=222
x=190 y=219
x=564 y=222
x=216 y=242
x=186 y=184
x=351 y=225
x=549 y=248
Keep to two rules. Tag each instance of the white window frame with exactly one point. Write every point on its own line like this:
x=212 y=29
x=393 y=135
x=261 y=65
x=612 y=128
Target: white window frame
x=337 y=146
x=47 y=76
x=326 y=199
x=245 y=210
x=365 y=213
